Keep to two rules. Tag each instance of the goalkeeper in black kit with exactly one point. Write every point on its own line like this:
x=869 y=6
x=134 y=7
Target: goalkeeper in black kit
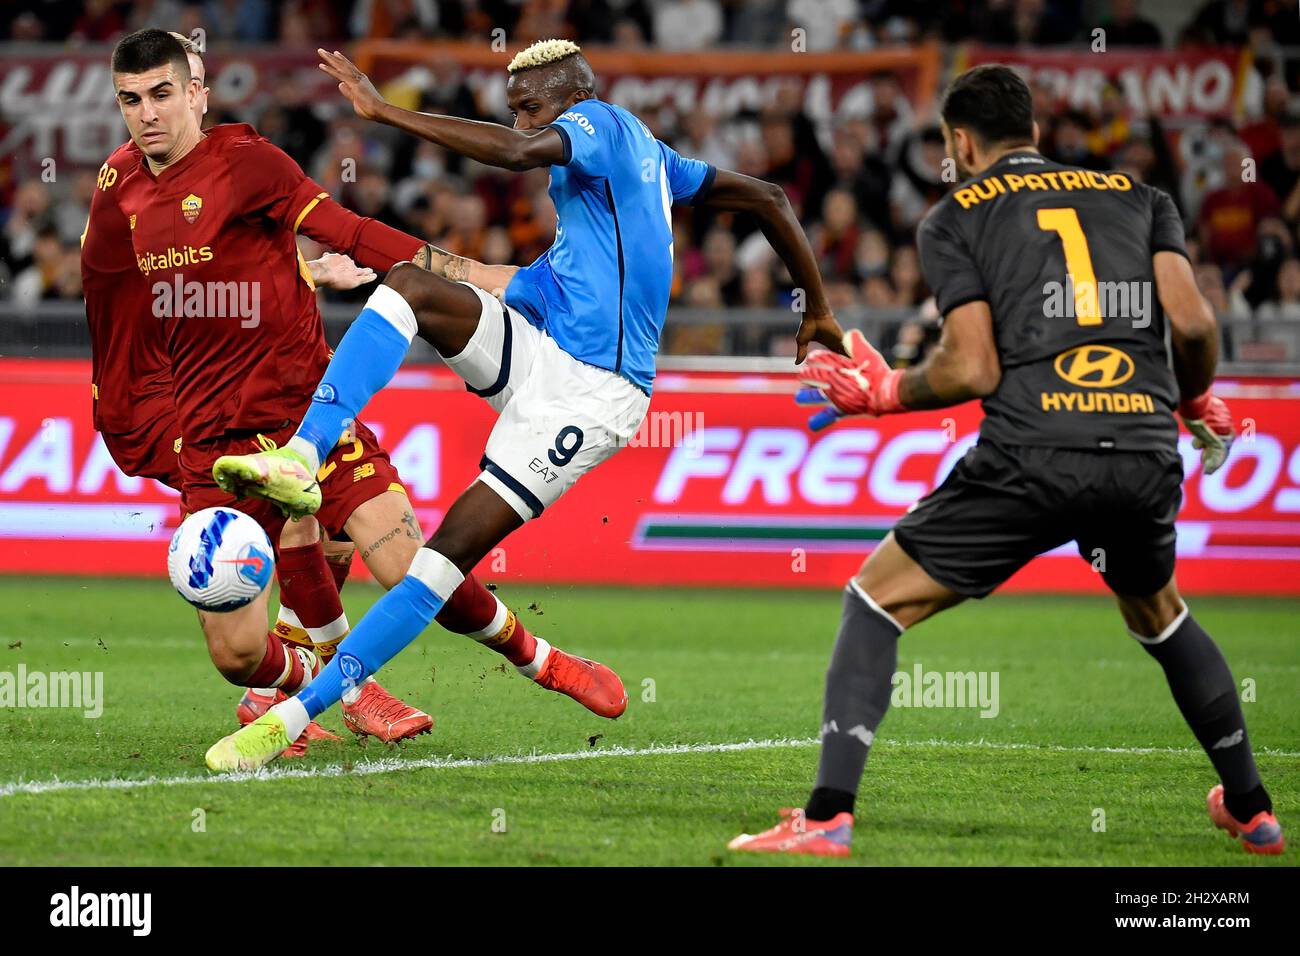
x=1057 y=286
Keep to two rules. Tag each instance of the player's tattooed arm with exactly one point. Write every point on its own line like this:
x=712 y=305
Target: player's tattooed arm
x=442 y=263
x=964 y=365
x=493 y=279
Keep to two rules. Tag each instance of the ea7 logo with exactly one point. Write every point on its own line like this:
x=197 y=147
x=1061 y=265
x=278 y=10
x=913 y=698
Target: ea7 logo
x=74 y=908
x=1094 y=366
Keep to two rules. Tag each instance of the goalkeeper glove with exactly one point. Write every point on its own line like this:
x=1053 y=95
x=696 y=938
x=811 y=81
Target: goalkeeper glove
x=1208 y=419
x=860 y=384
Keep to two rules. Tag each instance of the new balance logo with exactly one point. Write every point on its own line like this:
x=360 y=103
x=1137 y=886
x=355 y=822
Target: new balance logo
x=1231 y=740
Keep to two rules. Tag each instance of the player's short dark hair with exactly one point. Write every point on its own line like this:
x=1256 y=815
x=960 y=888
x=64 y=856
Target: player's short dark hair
x=993 y=104
x=149 y=49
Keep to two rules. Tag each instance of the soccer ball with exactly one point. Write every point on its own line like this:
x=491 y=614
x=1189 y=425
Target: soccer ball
x=220 y=559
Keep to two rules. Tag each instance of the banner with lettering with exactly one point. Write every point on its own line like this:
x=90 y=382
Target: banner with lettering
x=1166 y=83
x=723 y=485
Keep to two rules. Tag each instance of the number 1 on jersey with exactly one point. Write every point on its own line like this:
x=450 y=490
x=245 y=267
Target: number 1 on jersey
x=1078 y=261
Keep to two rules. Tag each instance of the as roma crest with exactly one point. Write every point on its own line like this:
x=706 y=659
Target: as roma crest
x=191 y=206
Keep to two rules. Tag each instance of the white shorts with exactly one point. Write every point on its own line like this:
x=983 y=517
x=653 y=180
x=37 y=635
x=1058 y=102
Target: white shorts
x=559 y=417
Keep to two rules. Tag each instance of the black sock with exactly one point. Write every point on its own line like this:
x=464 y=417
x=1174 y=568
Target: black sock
x=1206 y=695
x=826 y=802
x=1244 y=806
x=859 y=682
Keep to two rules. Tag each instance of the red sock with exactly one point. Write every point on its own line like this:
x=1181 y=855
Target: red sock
x=470 y=608
x=281 y=667
x=513 y=641
x=307 y=585
x=340 y=571
x=474 y=610
x=311 y=611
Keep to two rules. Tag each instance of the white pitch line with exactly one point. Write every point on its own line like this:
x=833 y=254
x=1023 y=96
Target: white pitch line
x=395 y=764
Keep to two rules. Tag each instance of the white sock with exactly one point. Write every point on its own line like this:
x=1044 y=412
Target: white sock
x=494 y=626
x=352 y=693
x=294 y=715
x=539 y=660
x=307 y=450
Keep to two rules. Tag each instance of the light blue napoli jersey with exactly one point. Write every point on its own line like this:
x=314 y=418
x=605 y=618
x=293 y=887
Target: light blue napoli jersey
x=601 y=290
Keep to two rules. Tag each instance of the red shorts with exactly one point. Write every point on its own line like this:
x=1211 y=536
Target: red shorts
x=356 y=470
x=151 y=450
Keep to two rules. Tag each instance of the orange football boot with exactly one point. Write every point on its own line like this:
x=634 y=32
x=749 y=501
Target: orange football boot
x=377 y=713
x=1263 y=834
x=795 y=834
x=590 y=683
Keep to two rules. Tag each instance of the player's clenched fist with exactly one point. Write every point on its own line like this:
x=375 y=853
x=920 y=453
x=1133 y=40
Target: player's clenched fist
x=1209 y=420
x=861 y=383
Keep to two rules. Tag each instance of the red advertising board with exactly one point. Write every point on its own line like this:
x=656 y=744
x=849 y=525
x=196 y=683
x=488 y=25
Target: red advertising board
x=724 y=485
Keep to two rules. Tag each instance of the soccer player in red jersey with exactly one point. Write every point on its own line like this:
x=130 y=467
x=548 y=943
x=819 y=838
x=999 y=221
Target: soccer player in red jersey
x=133 y=410
x=214 y=219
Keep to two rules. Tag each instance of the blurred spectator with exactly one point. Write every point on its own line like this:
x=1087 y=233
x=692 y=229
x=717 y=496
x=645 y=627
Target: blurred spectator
x=1223 y=21
x=596 y=21
x=30 y=215
x=826 y=24
x=1230 y=215
x=918 y=183
x=687 y=24
x=757 y=23
x=1227 y=303
x=46 y=277
x=835 y=239
x=1281 y=171
x=1286 y=303
x=241 y=21
x=1127 y=27
x=1069 y=142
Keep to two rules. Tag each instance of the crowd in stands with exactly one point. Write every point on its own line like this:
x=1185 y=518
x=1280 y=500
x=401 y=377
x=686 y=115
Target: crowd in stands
x=860 y=188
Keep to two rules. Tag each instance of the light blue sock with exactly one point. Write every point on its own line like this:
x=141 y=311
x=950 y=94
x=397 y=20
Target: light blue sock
x=364 y=362
x=387 y=628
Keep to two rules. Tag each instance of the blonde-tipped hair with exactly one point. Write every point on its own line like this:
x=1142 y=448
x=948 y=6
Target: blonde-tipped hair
x=541 y=53
x=184 y=41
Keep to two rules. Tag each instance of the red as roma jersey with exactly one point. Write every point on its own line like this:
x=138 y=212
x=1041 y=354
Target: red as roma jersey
x=213 y=237
x=130 y=370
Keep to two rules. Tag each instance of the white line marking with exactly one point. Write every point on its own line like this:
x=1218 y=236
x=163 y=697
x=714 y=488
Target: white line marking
x=394 y=764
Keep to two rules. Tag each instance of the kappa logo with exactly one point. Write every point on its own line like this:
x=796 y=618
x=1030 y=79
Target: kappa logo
x=191 y=206
x=1094 y=366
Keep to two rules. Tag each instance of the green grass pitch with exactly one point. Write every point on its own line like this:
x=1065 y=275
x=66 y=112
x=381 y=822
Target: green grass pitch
x=1086 y=737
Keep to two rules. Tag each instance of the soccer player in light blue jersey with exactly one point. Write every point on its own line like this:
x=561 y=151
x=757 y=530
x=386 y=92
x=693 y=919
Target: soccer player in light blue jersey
x=564 y=350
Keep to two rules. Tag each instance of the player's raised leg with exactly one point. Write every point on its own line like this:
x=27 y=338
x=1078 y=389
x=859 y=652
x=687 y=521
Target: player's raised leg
x=363 y=363
x=474 y=524
x=891 y=592
x=1206 y=695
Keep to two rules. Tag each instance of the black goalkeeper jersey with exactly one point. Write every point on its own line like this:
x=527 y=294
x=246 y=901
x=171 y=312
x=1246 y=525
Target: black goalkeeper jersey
x=1063 y=258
